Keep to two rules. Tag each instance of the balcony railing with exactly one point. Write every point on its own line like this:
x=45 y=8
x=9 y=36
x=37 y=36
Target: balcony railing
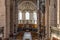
x=29 y=21
x=56 y=31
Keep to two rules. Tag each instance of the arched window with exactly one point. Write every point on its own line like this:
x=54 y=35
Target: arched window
x=27 y=16
x=35 y=17
x=20 y=15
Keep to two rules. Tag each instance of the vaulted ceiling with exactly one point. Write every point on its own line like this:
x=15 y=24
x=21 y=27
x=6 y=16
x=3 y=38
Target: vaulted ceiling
x=34 y=1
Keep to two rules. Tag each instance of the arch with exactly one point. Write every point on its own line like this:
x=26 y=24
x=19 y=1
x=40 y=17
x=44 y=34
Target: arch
x=28 y=3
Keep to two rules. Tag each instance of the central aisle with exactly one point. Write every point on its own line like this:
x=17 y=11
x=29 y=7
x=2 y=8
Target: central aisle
x=27 y=36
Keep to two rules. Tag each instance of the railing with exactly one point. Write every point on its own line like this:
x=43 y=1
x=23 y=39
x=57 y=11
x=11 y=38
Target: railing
x=29 y=21
x=55 y=28
x=56 y=31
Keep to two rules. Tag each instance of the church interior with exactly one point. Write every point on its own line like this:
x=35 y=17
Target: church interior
x=29 y=19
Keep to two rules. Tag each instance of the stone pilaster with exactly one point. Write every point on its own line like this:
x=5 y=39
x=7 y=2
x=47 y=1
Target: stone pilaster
x=57 y=13
x=2 y=13
x=15 y=17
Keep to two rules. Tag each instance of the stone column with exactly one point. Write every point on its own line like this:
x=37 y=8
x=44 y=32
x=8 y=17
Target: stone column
x=47 y=19
x=7 y=27
x=13 y=18
x=39 y=23
x=43 y=19
x=51 y=14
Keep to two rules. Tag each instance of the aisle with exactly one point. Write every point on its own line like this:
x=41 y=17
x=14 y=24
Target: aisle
x=27 y=36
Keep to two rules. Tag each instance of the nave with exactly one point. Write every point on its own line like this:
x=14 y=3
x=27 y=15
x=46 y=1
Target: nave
x=30 y=19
